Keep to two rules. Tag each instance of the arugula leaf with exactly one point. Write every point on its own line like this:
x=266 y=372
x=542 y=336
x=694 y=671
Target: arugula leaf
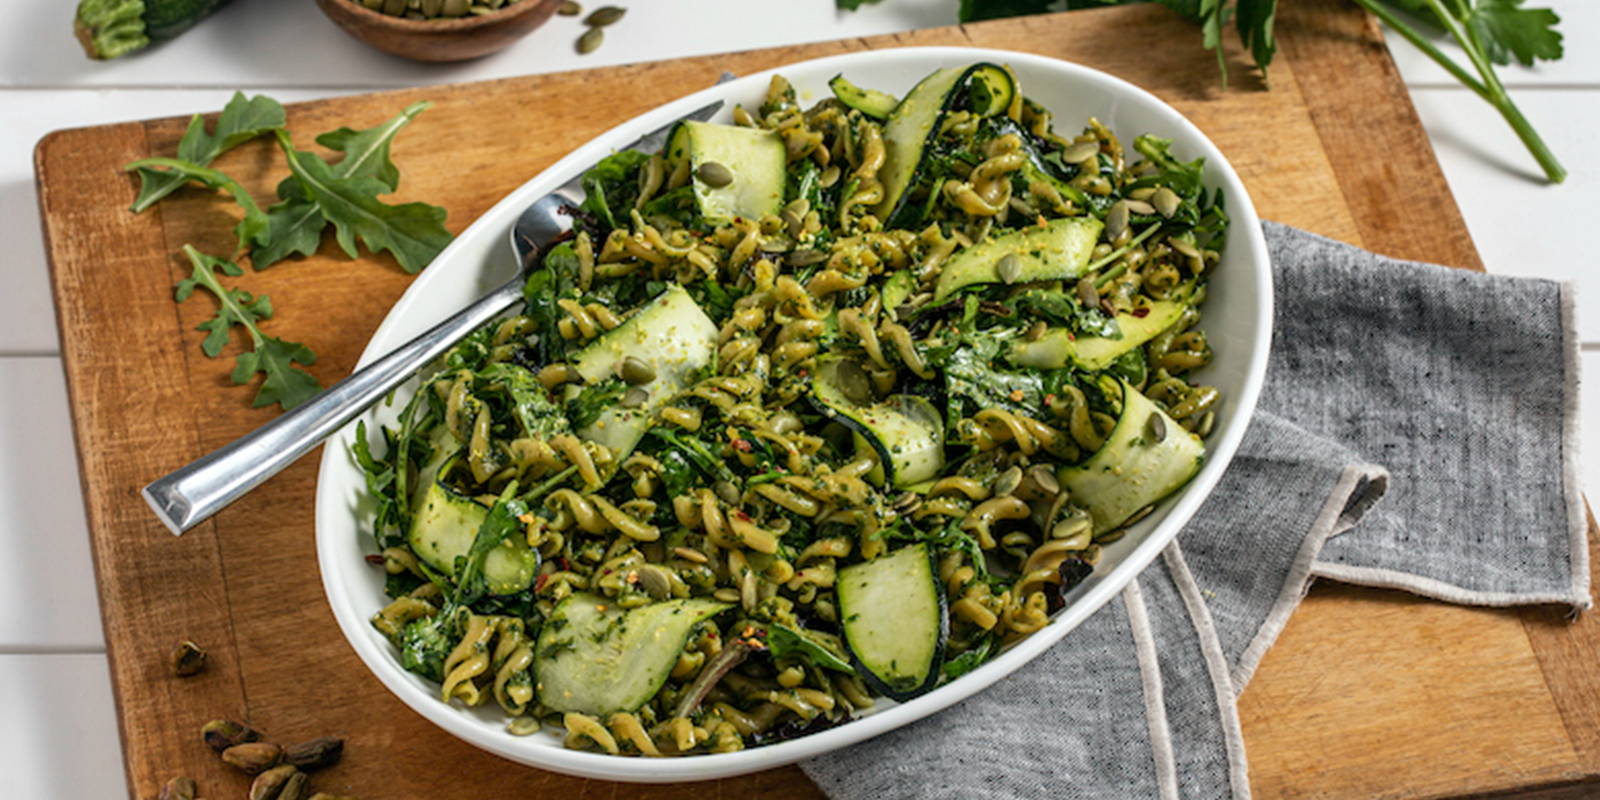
x=286 y=384
x=242 y=120
x=969 y=660
x=530 y=403
x=251 y=230
x=785 y=641
x=593 y=400
x=612 y=185
x=501 y=523
x=1253 y=19
x=413 y=232
x=380 y=479
x=1506 y=29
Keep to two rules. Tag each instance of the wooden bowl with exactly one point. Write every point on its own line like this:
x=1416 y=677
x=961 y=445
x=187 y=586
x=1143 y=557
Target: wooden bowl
x=455 y=39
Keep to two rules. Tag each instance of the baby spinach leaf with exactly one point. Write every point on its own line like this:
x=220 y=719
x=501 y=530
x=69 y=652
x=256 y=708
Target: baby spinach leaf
x=242 y=120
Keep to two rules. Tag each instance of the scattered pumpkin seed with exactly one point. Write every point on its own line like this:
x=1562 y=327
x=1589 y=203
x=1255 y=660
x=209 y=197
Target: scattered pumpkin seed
x=1045 y=478
x=1080 y=152
x=1142 y=193
x=1140 y=207
x=829 y=177
x=1183 y=246
x=635 y=370
x=634 y=397
x=1074 y=532
x=590 y=41
x=604 y=15
x=805 y=258
x=654 y=581
x=520 y=726
x=727 y=492
x=1088 y=296
x=1009 y=268
x=1036 y=331
x=1116 y=220
x=570 y=9
x=714 y=175
x=1111 y=536
x=1008 y=481
x=1166 y=201
x=1156 y=428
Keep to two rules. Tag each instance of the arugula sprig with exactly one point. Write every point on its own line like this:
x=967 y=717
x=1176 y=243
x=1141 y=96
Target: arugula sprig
x=242 y=119
x=285 y=384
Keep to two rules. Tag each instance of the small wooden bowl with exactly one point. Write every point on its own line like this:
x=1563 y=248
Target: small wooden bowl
x=456 y=39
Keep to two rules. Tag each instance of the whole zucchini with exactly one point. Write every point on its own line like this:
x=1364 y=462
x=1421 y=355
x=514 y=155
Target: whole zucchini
x=115 y=28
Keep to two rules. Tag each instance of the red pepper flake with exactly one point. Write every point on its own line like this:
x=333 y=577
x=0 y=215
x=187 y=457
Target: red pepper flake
x=739 y=512
x=742 y=445
x=526 y=519
x=600 y=607
x=633 y=576
x=565 y=564
x=749 y=630
x=538 y=585
x=803 y=373
x=375 y=559
x=1142 y=311
x=1050 y=398
x=1016 y=395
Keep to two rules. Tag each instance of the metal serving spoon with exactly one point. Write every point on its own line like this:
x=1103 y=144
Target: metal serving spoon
x=191 y=494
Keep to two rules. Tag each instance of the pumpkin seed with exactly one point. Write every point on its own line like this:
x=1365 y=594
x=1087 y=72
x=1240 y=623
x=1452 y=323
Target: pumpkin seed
x=432 y=7
x=713 y=174
x=1156 y=428
x=454 y=8
x=1045 y=478
x=1010 y=268
x=853 y=382
x=1140 y=207
x=394 y=7
x=805 y=258
x=1008 y=481
x=373 y=4
x=1166 y=201
x=1080 y=152
x=1036 y=331
x=605 y=15
x=829 y=177
x=1183 y=247
x=1143 y=193
x=570 y=9
x=1116 y=220
x=1088 y=296
x=479 y=10
x=1075 y=533
x=635 y=370
x=727 y=492
x=634 y=397
x=1206 y=422
x=1111 y=536
x=690 y=554
x=655 y=581
x=524 y=726
x=590 y=41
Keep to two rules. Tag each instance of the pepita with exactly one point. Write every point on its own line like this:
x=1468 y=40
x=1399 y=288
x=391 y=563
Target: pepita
x=1010 y=268
x=454 y=8
x=1183 y=246
x=1143 y=193
x=713 y=174
x=654 y=581
x=634 y=370
x=634 y=397
x=394 y=7
x=1008 y=482
x=1074 y=533
x=570 y=9
x=1116 y=220
x=1156 y=428
x=1140 y=207
x=525 y=726
x=853 y=382
x=1088 y=296
x=1166 y=201
x=1080 y=152
x=805 y=258
x=1045 y=478
x=727 y=492
x=604 y=15
x=590 y=40
x=829 y=177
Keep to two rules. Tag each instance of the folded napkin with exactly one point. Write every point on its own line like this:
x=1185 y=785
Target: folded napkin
x=1450 y=395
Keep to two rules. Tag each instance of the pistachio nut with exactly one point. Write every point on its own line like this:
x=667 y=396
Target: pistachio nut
x=253 y=757
x=323 y=751
x=188 y=659
x=179 y=788
x=270 y=783
x=222 y=734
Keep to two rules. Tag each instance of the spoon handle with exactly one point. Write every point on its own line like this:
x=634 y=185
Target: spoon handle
x=192 y=493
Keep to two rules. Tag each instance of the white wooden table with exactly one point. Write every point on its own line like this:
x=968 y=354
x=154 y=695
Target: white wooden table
x=58 y=735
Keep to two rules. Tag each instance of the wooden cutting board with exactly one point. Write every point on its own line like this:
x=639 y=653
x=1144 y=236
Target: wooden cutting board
x=1367 y=694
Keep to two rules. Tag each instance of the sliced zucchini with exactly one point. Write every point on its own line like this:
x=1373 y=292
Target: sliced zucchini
x=673 y=337
x=443 y=526
x=906 y=430
x=915 y=122
x=893 y=613
x=1057 y=347
x=873 y=103
x=595 y=658
x=1058 y=250
x=898 y=289
x=1147 y=457
x=754 y=158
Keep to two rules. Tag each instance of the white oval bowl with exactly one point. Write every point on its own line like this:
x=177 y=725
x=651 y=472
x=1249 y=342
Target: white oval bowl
x=1238 y=323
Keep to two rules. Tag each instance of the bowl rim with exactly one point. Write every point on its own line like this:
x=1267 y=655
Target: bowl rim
x=470 y=22
x=1244 y=232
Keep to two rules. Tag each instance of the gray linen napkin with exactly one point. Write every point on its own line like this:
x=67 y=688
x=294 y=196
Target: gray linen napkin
x=1462 y=386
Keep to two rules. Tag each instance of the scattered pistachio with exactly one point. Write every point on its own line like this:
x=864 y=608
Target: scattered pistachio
x=222 y=734
x=323 y=751
x=590 y=41
x=253 y=757
x=293 y=788
x=188 y=659
x=269 y=785
x=570 y=9
x=604 y=15
x=179 y=788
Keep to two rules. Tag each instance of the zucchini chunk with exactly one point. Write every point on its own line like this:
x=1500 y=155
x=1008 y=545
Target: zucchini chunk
x=755 y=159
x=443 y=528
x=893 y=612
x=1057 y=251
x=906 y=430
x=1057 y=347
x=915 y=122
x=595 y=658
x=873 y=103
x=673 y=337
x=1147 y=457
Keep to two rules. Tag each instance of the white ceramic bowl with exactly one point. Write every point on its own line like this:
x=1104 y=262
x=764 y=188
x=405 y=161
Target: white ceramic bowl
x=1238 y=323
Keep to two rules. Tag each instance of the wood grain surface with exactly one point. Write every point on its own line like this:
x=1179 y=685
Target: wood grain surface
x=1367 y=694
